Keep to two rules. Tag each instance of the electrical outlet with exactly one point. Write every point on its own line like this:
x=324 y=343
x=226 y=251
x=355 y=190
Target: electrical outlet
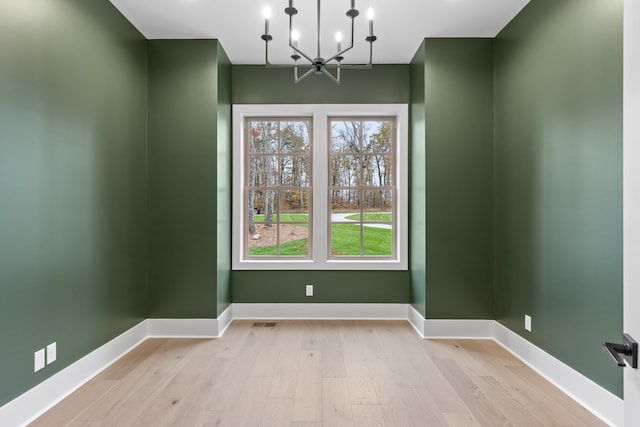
x=51 y=353
x=38 y=360
x=309 y=290
x=527 y=322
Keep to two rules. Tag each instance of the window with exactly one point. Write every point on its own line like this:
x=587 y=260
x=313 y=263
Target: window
x=320 y=187
x=361 y=187
x=277 y=188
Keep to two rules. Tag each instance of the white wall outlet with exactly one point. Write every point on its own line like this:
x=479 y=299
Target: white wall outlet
x=38 y=360
x=527 y=322
x=52 y=353
x=309 y=290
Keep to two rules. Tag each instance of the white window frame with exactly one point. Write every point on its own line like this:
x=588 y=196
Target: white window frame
x=320 y=114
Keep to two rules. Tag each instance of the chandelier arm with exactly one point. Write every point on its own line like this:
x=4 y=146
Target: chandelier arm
x=297 y=80
x=291 y=45
x=280 y=66
x=266 y=53
x=267 y=63
x=341 y=53
x=366 y=66
x=336 y=80
x=304 y=55
x=350 y=66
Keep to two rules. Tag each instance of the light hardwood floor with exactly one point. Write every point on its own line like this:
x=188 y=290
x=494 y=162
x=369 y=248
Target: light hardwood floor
x=318 y=373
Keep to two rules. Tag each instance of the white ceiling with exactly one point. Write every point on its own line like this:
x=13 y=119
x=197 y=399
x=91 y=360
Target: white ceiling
x=400 y=25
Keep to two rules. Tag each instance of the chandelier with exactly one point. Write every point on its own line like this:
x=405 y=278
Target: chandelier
x=319 y=65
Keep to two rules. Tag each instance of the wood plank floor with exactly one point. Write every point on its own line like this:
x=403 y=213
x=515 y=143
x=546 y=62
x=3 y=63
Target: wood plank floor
x=318 y=373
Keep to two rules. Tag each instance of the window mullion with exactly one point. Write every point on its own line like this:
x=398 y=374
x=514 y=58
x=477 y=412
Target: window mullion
x=276 y=197
x=361 y=185
x=321 y=208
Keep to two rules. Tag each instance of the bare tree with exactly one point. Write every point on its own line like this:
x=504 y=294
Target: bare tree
x=380 y=146
x=278 y=158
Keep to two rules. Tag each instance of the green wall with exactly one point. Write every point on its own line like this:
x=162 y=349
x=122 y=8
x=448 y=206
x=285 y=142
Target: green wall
x=418 y=177
x=384 y=84
x=73 y=104
x=329 y=286
x=224 y=185
x=558 y=153
x=185 y=122
x=257 y=85
x=452 y=188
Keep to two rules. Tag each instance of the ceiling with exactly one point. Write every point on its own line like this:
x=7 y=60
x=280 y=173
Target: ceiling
x=400 y=25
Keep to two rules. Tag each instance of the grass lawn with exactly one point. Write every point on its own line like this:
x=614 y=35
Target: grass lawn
x=285 y=218
x=292 y=248
x=372 y=217
x=345 y=241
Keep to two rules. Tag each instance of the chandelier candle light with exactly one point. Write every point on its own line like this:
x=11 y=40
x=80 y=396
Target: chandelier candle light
x=319 y=65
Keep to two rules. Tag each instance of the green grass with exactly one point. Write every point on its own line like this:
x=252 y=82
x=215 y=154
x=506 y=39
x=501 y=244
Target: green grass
x=292 y=248
x=377 y=242
x=345 y=240
x=372 y=217
x=285 y=218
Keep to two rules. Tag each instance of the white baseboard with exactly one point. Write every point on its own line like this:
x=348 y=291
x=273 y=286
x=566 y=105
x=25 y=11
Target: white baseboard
x=602 y=403
x=183 y=328
x=450 y=328
x=33 y=403
x=416 y=320
x=320 y=311
x=458 y=329
x=225 y=319
x=42 y=397
x=189 y=328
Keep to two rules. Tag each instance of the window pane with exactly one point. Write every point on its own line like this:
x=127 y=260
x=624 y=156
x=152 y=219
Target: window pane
x=377 y=170
x=290 y=240
x=345 y=171
x=378 y=160
x=344 y=205
x=294 y=240
x=377 y=240
x=346 y=136
x=263 y=242
x=263 y=171
x=378 y=136
x=263 y=137
x=295 y=171
x=294 y=137
x=345 y=240
x=294 y=206
x=378 y=201
x=261 y=206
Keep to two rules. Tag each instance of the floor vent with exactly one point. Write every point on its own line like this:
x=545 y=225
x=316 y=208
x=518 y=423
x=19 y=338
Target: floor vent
x=264 y=324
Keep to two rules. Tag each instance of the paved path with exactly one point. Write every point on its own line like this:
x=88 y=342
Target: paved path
x=335 y=217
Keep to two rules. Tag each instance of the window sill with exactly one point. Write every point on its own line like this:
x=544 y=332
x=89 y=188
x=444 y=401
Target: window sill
x=320 y=265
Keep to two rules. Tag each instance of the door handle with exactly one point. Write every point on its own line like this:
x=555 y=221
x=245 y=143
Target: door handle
x=628 y=351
